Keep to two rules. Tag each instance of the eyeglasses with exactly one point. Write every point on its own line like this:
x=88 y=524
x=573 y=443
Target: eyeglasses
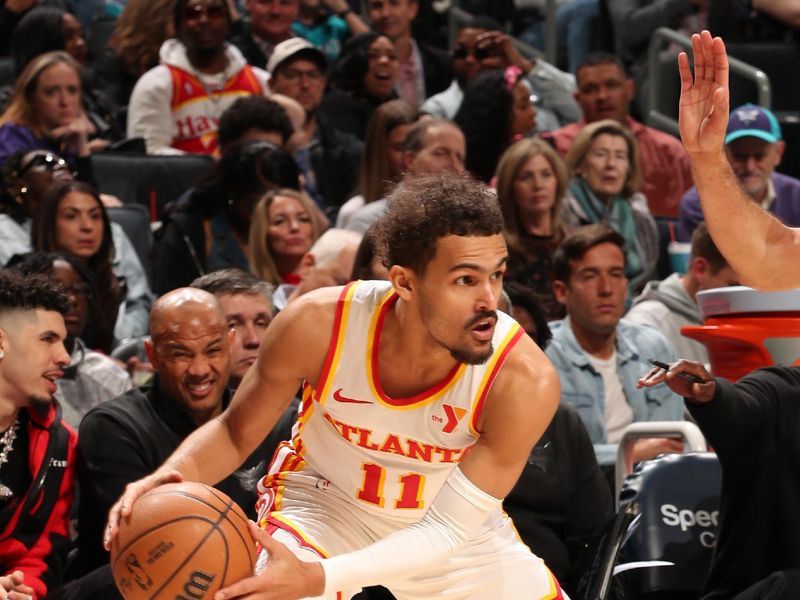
x=50 y=162
x=215 y=12
x=294 y=75
x=461 y=52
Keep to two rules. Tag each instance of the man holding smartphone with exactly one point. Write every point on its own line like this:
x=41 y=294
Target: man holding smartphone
x=752 y=425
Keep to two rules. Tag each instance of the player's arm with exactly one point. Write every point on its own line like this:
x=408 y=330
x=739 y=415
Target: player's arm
x=520 y=405
x=292 y=350
x=762 y=250
x=519 y=408
x=787 y=11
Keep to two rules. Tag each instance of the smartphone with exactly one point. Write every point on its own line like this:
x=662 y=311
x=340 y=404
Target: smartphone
x=665 y=366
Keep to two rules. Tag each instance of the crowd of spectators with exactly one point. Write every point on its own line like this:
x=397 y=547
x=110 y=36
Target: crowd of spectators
x=311 y=115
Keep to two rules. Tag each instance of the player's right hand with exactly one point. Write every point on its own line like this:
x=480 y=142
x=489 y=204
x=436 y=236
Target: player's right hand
x=133 y=491
x=285 y=577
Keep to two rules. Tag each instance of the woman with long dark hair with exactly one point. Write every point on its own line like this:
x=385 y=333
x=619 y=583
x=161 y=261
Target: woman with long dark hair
x=495 y=112
x=71 y=218
x=361 y=80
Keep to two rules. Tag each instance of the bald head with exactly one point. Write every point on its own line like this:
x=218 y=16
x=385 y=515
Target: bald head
x=184 y=309
x=190 y=349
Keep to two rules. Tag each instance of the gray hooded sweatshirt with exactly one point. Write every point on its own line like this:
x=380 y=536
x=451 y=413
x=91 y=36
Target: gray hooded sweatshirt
x=665 y=305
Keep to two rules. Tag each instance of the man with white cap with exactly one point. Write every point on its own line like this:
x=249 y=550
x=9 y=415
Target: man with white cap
x=330 y=159
x=754 y=147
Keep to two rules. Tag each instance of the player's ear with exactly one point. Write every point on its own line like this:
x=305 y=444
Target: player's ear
x=402 y=281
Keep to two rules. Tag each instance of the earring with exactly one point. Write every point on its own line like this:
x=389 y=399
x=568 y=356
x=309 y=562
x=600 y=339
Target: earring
x=2 y=354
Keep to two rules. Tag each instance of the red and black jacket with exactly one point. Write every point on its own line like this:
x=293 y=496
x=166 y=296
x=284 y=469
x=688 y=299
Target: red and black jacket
x=36 y=537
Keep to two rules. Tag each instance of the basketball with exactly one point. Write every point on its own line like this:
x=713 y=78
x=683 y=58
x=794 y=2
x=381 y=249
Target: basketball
x=181 y=540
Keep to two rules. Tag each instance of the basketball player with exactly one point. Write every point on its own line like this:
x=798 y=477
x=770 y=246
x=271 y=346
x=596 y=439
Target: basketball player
x=762 y=250
x=419 y=411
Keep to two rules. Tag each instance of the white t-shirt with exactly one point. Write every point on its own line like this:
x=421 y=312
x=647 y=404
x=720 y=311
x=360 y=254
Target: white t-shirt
x=618 y=413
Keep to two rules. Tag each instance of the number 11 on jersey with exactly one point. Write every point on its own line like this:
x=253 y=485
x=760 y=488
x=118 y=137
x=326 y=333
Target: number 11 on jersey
x=411 y=486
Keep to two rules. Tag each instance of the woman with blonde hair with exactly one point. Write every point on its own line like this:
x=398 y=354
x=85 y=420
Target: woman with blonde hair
x=285 y=225
x=382 y=158
x=133 y=47
x=606 y=176
x=45 y=111
x=531 y=184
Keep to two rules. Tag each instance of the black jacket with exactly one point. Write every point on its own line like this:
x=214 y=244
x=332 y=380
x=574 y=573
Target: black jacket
x=437 y=67
x=243 y=40
x=126 y=438
x=561 y=502
x=753 y=426
x=34 y=525
x=335 y=161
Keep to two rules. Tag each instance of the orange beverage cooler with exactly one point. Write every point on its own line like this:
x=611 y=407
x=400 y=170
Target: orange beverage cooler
x=745 y=329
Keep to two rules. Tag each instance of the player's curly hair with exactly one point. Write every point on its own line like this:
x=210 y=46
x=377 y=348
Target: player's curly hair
x=427 y=208
x=30 y=292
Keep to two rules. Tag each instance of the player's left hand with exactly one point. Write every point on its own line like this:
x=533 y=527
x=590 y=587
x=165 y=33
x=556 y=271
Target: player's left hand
x=286 y=577
x=703 y=108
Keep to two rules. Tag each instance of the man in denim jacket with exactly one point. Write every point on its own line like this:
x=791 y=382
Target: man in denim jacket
x=599 y=357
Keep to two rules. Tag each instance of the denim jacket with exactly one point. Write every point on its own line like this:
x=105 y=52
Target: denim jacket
x=582 y=386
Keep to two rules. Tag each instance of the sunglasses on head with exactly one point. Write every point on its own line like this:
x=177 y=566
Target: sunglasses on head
x=461 y=52
x=214 y=12
x=51 y=162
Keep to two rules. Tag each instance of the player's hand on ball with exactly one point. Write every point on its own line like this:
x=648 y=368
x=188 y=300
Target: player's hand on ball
x=132 y=492
x=285 y=577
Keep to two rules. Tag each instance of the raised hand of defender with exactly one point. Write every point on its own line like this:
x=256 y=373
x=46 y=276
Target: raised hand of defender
x=703 y=110
x=285 y=577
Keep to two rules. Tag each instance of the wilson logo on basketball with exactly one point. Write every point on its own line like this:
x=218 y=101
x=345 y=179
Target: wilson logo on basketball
x=197 y=586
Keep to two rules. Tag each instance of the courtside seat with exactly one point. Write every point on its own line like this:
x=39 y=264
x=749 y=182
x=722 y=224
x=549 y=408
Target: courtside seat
x=152 y=181
x=678 y=502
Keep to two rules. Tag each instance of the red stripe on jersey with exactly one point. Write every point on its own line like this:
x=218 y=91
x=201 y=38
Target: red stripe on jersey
x=337 y=332
x=376 y=380
x=476 y=414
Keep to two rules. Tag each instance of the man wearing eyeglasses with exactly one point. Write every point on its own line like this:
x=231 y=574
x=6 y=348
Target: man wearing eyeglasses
x=177 y=105
x=480 y=45
x=330 y=160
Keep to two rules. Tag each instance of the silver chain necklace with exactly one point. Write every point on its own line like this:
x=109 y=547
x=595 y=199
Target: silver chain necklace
x=7 y=441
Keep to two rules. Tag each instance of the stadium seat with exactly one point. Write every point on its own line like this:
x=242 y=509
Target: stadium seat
x=152 y=181
x=678 y=500
x=135 y=221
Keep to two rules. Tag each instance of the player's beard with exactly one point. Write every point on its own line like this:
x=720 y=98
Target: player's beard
x=473 y=357
x=470 y=357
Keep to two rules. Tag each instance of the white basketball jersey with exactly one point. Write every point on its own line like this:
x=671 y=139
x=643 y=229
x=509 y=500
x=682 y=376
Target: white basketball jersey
x=389 y=455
